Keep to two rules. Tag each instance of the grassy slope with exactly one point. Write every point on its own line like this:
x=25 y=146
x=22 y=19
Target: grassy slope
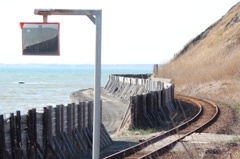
x=209 y=65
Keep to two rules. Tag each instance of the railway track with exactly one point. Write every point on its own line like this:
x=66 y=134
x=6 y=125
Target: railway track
x=156 y=146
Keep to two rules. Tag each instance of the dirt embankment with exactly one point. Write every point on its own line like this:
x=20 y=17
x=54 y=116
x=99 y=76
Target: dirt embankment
x=113 y=109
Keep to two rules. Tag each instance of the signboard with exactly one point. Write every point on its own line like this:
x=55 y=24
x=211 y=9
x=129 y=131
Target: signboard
x=40 y=38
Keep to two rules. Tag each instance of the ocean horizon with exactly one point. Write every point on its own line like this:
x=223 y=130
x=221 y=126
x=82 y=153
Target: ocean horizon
x=27 y=86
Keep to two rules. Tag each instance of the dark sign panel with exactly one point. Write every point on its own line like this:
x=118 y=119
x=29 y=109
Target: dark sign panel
x=40 y=38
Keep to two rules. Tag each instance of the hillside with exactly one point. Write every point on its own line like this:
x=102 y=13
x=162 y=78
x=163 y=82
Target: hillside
x=209 y=65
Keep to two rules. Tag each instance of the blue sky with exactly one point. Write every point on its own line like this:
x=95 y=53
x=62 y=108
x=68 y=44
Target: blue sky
x=133 y=32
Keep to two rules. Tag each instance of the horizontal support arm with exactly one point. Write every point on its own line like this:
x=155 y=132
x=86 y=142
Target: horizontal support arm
x=65 y=12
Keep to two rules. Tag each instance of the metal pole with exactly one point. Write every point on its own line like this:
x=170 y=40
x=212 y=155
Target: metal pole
x=97 y=72
x=97 y=88
x=45 y=18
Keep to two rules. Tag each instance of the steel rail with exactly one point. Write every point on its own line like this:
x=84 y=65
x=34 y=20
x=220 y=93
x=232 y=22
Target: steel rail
x=165 y=148
x=134 y=149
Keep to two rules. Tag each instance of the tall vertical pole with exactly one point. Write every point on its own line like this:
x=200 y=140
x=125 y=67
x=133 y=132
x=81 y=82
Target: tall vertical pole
x=97 y=88
x=45 y=18
x=97 y=72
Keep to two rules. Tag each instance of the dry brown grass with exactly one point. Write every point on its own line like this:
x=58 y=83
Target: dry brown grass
x=210 y=66
x=200 y=71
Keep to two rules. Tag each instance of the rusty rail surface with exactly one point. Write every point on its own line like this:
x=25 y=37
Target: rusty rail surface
x=207 y=114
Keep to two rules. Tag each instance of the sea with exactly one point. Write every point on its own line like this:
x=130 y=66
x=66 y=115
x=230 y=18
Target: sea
x=27 y=86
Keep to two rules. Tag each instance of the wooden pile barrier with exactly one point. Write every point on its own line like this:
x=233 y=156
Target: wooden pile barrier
x=122 y=87
x=147 y=110
x=151 y=102
x=59 y=132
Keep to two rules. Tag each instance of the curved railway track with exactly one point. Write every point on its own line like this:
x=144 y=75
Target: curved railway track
x=156 y=146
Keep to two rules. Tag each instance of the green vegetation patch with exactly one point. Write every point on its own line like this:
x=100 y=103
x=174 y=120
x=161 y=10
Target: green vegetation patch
x=141 y=131
x=237 y=107
x=234 y=139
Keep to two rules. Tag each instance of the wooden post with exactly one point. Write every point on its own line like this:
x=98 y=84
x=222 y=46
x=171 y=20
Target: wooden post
x=155 y=106
x=31 y=134
x=160 y=107
x=50 y=124
x=58 y=121
x=141 y=110
x=164 y=102
x=100 y=112
x=68 y=135
x=132 y=112
x=149 y=104
x=80 y=122
x=73 y=116
x=69 y=118
x=136 y=111
x=2 y=138
x=45 y=127
x=45 y=131
x=35 y=126
x=90 y=116
x=18 y=135
x=172 y=95
x=145 y=111
x=12 y=134
x=84 y=114
x=62 y=118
